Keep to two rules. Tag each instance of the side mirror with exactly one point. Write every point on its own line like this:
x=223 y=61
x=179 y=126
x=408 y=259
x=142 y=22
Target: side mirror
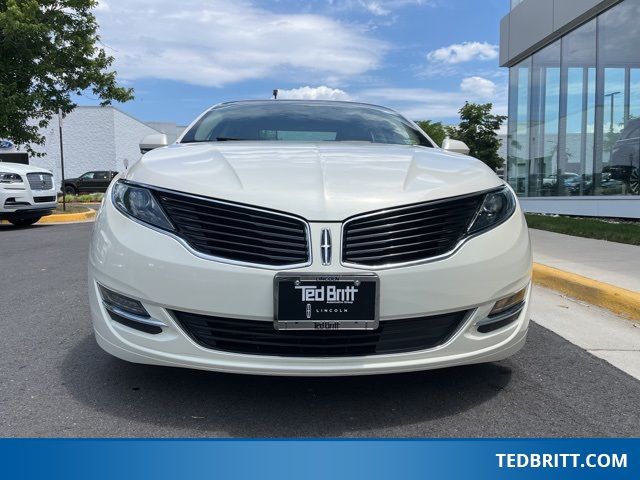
x=455 y=146
x=155 y=140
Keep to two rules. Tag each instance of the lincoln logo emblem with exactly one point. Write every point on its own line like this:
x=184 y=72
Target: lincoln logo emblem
x=325 y=246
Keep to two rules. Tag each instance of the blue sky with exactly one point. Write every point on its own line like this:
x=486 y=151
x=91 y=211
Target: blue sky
x=421 y=57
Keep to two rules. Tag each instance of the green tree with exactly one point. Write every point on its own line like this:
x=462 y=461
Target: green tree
x=49 y=51
x=478 y=128
x=435 y=130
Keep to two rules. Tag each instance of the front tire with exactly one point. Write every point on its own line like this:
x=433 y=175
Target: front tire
x=70 y=190
x=24 y=222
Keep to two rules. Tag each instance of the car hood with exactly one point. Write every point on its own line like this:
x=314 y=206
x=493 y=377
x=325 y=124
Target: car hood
x=19 y=168
x=317 y=181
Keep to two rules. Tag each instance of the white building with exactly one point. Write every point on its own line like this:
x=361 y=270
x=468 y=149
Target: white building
x=94 y=138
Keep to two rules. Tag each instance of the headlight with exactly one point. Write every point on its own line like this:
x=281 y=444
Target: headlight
x=10 y=178
x=139 y=203
x=496 y=208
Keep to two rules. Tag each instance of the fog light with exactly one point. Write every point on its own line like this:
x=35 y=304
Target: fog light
x=127 y=304
x=504 y=312
x=507 y=303
x=129 y=312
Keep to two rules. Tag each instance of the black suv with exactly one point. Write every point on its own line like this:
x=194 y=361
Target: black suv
x=90 y=182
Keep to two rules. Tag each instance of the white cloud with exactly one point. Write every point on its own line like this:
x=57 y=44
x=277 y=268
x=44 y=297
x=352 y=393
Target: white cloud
x=378 y=8
x=464 y=52
x=430 y=104
x=417 y=103
x=314 y=93
x=482 y=87
x=217 y=42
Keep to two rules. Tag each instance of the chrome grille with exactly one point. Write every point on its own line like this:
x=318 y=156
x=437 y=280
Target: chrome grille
x=238 y=233
x=40 y=181
x=408 y=234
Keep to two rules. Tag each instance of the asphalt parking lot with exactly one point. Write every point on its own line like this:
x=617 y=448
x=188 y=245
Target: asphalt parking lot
x=56 y=381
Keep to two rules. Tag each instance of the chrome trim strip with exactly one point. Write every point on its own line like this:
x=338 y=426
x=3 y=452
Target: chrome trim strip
x=325 y=247
x=133 y=317
x=515 y=310
x=214 y=258
x=443 y=256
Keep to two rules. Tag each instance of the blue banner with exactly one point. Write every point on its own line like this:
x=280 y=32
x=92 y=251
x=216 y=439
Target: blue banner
x=319 y=459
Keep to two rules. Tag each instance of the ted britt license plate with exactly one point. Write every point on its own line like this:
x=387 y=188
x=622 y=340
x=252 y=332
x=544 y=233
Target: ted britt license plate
x=326 y=302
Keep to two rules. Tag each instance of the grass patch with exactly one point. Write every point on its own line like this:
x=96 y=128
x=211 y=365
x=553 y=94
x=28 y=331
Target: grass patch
x=85 y=198
x=71 y=209
x=620 y=231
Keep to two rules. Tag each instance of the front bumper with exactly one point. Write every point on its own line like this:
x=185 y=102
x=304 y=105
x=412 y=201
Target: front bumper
x=157 y=270
x=18 y=201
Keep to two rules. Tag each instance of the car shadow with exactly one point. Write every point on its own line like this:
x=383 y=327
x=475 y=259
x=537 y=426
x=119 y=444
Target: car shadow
x=199 y=403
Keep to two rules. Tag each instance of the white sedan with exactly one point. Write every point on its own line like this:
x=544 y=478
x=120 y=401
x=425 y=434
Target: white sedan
x=27 y=193
x=309 y=238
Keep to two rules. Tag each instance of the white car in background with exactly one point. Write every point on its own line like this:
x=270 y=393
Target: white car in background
x=27 y=193
x=309 y=238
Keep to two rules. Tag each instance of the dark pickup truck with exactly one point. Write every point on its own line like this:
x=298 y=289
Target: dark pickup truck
x=90 y=182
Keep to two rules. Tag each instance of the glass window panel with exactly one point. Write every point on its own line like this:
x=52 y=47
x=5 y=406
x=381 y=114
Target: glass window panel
x=614 y=92
x=575 y=108
x=617 y=152
x=634 y=93
x=575 y=163
x=545 y=111
x=518 y=127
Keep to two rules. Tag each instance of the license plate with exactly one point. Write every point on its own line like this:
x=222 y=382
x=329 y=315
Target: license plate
x=325 y=302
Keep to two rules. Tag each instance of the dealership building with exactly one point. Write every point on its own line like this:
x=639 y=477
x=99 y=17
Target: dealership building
x=573 y=144
x=94 y=138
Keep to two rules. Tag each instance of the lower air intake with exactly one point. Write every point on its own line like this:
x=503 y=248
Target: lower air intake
x=260 y=338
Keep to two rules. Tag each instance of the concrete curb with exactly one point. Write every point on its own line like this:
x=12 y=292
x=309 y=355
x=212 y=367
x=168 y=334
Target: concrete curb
x=69 y=217
x=619 y=300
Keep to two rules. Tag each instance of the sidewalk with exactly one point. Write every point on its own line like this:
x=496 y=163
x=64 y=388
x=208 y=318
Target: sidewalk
x=613 y=263
x=593 y=329
x=599 y=274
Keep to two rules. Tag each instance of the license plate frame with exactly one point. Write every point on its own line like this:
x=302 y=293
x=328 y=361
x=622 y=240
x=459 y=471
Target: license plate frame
x=362 y=315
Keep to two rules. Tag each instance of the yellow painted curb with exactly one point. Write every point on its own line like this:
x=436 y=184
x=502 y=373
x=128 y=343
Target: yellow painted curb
x=68 y=217
x=619 y=300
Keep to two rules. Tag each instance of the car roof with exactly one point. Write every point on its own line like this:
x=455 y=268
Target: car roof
x=303 y=101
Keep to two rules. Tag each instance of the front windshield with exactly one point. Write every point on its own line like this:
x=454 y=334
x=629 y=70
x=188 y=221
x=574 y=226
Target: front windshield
x=304 y=122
